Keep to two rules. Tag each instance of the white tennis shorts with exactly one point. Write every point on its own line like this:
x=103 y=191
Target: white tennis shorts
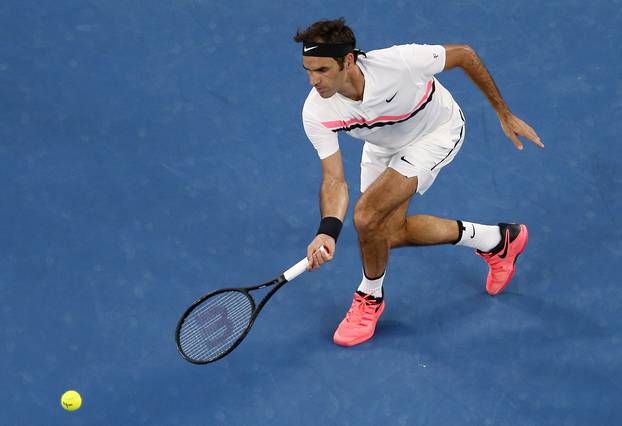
x=423 y=158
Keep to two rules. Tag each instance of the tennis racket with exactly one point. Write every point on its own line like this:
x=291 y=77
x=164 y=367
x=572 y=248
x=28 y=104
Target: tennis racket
x=216 y=324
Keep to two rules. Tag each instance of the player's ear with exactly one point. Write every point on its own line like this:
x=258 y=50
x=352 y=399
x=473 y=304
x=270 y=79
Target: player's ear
x=349 y=60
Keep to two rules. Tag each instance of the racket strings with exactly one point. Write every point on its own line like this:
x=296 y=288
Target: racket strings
x=215 y=325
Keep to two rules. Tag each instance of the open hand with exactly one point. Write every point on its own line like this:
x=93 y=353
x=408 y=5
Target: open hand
x=514 y=127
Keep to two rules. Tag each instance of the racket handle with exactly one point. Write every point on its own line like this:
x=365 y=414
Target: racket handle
x=298 y=268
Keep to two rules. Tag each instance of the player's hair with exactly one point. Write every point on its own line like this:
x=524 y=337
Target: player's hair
x=328 y=31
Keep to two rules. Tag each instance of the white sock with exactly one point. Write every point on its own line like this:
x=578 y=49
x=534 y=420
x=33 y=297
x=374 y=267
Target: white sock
x=373 y=287
x=480 y=237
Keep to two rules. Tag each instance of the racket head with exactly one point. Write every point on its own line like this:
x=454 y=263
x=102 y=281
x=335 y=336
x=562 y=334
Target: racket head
x=215 y=325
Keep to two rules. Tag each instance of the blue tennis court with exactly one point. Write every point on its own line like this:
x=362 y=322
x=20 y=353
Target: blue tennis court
x=151 y=152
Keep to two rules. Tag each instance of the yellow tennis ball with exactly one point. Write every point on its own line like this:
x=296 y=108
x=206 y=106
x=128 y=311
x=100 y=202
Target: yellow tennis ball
x=71 y=400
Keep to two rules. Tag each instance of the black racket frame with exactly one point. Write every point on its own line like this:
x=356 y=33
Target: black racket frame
x=277 y=283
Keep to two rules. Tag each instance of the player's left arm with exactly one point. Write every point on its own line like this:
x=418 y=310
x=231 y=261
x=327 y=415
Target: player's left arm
x=463 y=56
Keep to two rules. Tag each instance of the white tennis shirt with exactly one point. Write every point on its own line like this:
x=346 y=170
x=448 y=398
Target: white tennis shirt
x=402 y=101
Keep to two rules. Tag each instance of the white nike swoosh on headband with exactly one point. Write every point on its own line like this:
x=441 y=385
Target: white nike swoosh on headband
x=306 y=49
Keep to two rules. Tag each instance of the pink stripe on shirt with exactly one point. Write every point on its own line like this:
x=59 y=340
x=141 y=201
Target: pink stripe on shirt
x=341 y=123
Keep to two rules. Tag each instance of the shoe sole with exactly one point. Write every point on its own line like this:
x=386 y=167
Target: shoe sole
x=520 y=251
x=363 y=338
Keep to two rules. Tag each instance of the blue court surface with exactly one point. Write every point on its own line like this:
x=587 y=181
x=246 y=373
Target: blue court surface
x=152 y=151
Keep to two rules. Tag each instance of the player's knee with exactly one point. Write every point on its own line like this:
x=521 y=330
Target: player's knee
x=366 y=220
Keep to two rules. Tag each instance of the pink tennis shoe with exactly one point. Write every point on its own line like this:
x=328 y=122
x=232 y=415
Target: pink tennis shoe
x=502 y=258
x=360 y=322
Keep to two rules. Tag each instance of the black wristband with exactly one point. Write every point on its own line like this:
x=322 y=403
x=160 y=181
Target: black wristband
x=330 y=226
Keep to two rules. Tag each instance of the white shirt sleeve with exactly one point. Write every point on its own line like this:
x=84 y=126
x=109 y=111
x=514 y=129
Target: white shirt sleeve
x=423 y=59
x=324 y=140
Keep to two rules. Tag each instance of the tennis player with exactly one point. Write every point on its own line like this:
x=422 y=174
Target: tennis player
x=412 y=128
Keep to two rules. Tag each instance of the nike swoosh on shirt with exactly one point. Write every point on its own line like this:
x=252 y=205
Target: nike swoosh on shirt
x=473 y=236
x=391 y=98
x=404 y=159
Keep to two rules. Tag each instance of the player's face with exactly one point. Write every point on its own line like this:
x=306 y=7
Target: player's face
x=324 y=74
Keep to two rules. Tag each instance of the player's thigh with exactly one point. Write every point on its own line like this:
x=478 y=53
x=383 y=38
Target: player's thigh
x=387 y=194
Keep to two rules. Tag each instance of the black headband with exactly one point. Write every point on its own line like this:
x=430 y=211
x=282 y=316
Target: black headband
x=327 y=50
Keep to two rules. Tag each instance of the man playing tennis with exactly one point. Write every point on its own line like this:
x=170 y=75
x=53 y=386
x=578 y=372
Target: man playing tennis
x=412 y=128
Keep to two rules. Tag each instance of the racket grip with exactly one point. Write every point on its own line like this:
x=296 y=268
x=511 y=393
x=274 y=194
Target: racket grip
x=298 y=268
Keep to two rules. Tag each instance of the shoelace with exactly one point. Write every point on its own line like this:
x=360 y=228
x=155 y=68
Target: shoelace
x=360 y=307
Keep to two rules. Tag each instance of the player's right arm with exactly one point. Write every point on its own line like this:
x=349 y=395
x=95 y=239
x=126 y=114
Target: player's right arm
x=316 y=114
x=334 y=201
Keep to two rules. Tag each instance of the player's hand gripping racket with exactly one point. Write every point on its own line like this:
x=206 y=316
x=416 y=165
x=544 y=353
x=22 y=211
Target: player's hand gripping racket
x=214 y=325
